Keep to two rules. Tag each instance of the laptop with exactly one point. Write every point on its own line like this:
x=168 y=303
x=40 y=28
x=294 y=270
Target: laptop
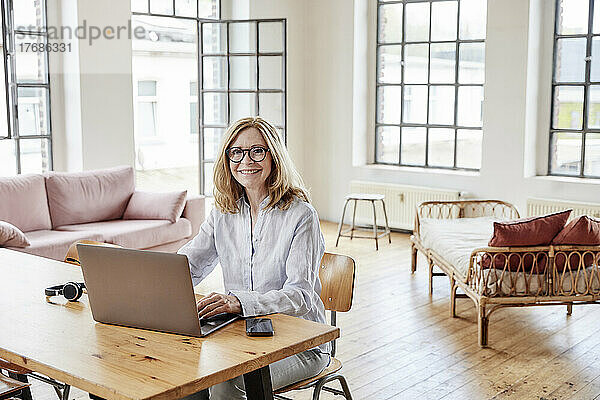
x=144 y=289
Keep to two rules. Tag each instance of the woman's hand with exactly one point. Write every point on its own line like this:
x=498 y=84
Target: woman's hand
x=216 y=303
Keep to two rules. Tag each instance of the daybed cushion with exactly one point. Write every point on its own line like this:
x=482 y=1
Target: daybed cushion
x=149 y=205
x=455 y=239
x=54 y=244
x=77 y=198
x=534 y=231
x=582 y=231
x=136 y=234
x=24 y=203
x=10 y=235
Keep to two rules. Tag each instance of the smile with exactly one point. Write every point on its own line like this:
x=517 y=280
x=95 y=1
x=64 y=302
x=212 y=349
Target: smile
x=249 y=171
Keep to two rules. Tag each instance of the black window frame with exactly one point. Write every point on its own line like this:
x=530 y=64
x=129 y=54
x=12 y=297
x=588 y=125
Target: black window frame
x=428 y=85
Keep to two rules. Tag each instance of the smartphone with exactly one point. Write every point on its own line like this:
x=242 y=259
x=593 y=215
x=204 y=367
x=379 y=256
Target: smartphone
x=259 y=327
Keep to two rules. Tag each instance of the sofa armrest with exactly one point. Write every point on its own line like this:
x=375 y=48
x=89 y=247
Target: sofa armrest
x=194 y=212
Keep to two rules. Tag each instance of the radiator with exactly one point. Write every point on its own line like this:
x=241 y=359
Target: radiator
x=548 y=206
x=400 y=203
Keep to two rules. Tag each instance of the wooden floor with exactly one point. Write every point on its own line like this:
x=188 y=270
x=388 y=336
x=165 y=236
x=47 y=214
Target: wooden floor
x=399 y=343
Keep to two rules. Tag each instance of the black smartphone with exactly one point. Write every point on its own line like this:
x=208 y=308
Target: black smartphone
x=259 y=327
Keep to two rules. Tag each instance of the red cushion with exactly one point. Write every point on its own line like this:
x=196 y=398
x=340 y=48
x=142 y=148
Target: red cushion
x=574 y=260
x=584 y=231
x=534 y=231
x=514 y=261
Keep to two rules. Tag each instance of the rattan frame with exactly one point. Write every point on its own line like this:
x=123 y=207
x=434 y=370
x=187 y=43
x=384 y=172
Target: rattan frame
x=494 y=288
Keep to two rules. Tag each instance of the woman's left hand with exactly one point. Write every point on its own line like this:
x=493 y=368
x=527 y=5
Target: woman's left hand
x=217 y=303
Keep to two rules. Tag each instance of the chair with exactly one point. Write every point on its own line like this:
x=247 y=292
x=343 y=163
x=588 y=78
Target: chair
x=72 y=257
x=356 y=197
x=10 y=386
x=337 y=280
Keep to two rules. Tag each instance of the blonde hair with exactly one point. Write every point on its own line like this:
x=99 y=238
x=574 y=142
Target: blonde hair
x=284 y=183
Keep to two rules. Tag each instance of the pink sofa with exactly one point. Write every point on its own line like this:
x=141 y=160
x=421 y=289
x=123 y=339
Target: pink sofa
x=57 y=209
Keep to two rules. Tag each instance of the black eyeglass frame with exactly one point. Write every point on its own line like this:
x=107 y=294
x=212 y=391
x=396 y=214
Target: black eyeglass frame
x=246 y=151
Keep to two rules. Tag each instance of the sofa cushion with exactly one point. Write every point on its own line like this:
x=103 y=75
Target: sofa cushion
x=24 y=203
x=149 y=205
x=76 y=198
x=54 y=244
x=534 y=231
x=583 y=230
x=136 y=233
x=10 y=235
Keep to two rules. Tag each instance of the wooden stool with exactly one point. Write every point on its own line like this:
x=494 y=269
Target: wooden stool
x=356 y=197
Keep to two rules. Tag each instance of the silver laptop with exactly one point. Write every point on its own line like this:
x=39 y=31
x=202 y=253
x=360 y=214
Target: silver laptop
x=144 y=289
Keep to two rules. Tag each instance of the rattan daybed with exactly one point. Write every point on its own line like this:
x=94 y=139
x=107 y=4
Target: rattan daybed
x=453 y=236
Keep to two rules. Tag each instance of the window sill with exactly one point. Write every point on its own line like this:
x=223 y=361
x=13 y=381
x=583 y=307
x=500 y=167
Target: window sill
x=566 y=179
x=420 y=170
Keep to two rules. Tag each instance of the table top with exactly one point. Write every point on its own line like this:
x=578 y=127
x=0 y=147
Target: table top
x=61 y=340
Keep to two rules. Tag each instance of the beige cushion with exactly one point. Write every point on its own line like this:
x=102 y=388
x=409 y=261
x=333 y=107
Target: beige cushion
x=77 y=198
x=136 y=234
x=24 y=203
x=53 y=244
x=10 y=235
x=148 y=205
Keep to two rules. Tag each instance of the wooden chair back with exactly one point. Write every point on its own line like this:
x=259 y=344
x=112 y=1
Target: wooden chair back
x=337 y=281
x=72 y=257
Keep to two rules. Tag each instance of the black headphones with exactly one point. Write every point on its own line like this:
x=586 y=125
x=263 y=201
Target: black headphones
x=71 y=290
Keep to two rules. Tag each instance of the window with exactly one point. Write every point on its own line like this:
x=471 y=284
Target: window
x=25 y=129
x=430 y=75
x=194 y=108
x=146 y=108
x=575 y=123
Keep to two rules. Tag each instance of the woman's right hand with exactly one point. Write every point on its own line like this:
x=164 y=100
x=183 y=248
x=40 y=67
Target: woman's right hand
x=217 y=303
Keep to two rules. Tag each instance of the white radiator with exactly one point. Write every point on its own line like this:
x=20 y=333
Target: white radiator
x=548 y=206
x=400 y=203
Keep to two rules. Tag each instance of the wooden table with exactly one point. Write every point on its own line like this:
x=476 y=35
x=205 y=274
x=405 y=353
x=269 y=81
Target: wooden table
x=62 y=341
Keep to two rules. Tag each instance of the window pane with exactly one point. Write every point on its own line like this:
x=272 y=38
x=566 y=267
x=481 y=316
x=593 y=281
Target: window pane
x=214 y=38
x=270 y=36
x=594 y=107
x=389 y=101
x=8 y=161
x=413 y=146
x=3 y=108
x=194 y=117
x=441 y=105
x=139 y=6
x=242 y=37
x=417 y=22
x=568 y=107
x=31 y=64
x=243 y=72
x=35 y=155
x=470 y=105
x=572 y=17
x=214 y=71
x=596 y=22
x=565 y=153
x=441 y=147
x=471 y=63
x=270 y=72
x=33 y=111
x=592 y=154
x=186 y=8
x=416 y=61
x=215 y=108
x=212 y=142
x=146 y=123
x=442 y=60
x=242 y=105
x=29 y=15
x=208 y=8
x=161 y=7
x=390 y=23
x=415 y=104
x=595 y=67
x=271 y=107
x=468 y=148
x=208 y=178
x=388 y=144
x=147 y=88
x=570 y=60
x=443 y=20
x=390 y=64
x=473 y=14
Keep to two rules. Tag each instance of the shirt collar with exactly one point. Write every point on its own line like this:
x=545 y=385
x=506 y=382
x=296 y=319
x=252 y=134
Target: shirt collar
x=243 y=200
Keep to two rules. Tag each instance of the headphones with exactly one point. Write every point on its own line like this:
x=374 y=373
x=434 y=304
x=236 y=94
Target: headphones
x=71 y=290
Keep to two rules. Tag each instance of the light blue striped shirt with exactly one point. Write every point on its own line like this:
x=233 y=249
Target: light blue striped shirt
x=274 y=269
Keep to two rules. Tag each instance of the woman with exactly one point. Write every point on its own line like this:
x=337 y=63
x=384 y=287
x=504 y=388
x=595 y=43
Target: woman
x=268 y=240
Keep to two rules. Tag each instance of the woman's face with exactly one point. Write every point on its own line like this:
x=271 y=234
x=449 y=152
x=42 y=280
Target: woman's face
x=249 y=173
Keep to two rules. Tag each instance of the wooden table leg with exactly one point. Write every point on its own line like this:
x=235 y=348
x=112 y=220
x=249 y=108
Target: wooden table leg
x=258 y=384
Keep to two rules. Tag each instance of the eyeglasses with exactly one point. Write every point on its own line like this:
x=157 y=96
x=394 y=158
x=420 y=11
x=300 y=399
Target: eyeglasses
x=256 y=153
